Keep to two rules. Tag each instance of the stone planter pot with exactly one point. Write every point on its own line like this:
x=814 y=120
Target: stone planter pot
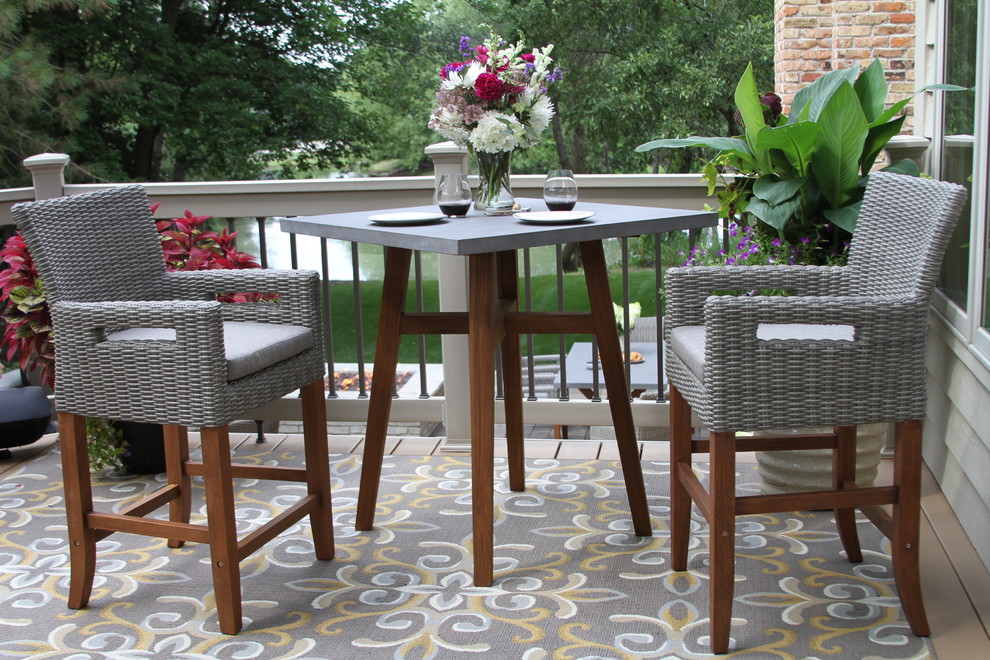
x=811 y=469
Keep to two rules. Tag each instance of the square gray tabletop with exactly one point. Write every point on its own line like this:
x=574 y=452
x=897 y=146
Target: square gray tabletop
x=480 y=234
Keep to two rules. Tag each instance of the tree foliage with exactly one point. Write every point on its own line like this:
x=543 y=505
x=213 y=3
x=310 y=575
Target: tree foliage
x=184 y=89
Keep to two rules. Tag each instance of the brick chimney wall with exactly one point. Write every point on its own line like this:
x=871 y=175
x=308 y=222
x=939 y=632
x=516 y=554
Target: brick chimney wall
x=814 y=37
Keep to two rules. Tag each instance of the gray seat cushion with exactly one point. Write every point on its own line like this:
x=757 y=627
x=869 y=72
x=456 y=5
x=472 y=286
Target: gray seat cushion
x=688 y=341
x=249 y=347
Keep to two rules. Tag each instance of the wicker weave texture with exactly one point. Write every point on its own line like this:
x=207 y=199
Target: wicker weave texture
x=101 y=262
x=883 y=292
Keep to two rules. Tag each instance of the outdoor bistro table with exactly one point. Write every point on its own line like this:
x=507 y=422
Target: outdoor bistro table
x=490 y=244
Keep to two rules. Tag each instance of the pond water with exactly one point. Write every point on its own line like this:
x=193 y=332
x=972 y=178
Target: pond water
x=371 y=261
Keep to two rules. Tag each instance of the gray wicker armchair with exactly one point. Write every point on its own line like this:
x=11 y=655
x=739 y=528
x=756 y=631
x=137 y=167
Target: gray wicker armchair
x=846 y=347
x=136 y=342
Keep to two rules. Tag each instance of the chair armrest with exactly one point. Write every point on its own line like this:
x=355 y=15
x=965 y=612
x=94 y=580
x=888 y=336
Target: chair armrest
x=81 y=329
x=686 y=288
x=881 y=323
x=297 y=290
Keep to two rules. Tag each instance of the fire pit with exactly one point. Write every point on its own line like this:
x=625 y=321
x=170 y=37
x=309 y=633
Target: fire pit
x=348 y=381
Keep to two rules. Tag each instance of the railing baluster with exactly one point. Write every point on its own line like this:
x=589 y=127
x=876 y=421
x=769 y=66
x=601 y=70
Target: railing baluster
x=262 y=241
x=327 y=321
x=293 y=252
x=358 y=323
x=626 y=344
x=418 y=265
x=528 y=294
x=658 y=288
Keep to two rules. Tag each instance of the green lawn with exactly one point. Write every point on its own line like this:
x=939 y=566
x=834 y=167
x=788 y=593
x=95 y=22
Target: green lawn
x=642 y=288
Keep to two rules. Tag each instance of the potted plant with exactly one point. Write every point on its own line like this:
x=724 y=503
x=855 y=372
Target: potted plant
x=803 y=175
x=27 y=335
x=792 y=186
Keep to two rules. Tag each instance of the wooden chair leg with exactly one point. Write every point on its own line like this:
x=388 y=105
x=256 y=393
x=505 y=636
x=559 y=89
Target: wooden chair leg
x=680 y=499
x=78 y=503
x=314 y=414
x=176 y=455
x=907 y=524
x=219 y=485
x=722 y=537
x=508 y=291
x=843 y=474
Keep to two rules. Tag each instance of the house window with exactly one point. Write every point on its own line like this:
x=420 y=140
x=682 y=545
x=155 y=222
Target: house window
x=958 y=115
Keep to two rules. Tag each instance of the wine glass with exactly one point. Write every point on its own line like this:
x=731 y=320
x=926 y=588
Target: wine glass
x=453 y=195
x=560 y=192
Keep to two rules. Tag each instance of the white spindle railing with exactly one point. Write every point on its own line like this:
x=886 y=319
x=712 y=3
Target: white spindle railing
x=259 y=199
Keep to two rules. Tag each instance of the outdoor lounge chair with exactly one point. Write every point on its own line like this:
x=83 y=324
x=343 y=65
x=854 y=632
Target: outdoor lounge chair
x=136 y=342
x=846 y=347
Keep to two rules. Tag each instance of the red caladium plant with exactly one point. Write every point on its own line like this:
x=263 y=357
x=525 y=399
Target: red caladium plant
x=27 y=333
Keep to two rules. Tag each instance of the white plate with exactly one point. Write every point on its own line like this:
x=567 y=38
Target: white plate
x=406 y=218
x=554 y=217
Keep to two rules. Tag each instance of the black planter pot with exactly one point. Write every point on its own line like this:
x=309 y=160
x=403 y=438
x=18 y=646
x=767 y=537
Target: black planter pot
x=145 y=453
x=24 y=416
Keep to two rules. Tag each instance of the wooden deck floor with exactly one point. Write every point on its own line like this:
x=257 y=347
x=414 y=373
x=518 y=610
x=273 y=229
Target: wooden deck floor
x=955 y=582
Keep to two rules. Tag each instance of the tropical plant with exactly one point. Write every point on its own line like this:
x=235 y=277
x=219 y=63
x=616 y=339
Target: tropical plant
x=804 y=175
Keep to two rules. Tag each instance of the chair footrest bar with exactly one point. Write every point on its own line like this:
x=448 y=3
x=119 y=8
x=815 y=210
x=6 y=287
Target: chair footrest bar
x=695 y=489
x=244 y=471
x=774 y=443
x=259 y=537
x=118 y=522
x=880 y=518
x=822 y=499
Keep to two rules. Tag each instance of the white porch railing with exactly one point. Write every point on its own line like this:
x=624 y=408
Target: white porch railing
x=265 y=199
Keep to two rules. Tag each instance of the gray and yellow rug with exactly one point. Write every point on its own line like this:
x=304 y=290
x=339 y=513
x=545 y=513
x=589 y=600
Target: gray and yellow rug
x=572 y=581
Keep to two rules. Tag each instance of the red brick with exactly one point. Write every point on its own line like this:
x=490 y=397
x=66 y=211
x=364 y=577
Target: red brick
x=889 y=6
x=902 y=18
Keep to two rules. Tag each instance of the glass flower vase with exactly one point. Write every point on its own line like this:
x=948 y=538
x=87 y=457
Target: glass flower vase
x=495 y=192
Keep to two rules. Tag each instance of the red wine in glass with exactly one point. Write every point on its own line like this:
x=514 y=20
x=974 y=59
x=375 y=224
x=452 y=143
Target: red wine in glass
x=455 y=210
x=565 y=205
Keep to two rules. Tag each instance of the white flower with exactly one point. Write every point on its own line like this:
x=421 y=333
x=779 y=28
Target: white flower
x=497 y=132
x=540 y=114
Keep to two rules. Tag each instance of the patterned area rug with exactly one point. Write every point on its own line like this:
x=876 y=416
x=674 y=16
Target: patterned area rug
x=572 y=581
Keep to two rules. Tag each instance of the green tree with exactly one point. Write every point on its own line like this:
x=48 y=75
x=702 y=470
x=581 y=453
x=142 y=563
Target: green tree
x=191 y=89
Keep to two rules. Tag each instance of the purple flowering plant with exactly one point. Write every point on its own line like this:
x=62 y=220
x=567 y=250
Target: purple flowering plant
x=495 y=100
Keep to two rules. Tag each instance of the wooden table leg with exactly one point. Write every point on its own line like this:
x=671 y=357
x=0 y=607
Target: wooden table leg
x=482 y=321
x=508 y=294
x=603 y=319
x=394 y=288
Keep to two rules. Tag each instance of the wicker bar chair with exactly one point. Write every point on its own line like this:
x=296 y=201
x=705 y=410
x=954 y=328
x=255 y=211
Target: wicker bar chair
x=846 y=347
x=136 y=342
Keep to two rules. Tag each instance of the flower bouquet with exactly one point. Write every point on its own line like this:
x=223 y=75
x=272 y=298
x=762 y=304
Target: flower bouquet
x=494 y=103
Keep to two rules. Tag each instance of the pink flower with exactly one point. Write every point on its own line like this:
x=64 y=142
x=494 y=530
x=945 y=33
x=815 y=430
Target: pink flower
x=528 y=57
x=481 y=54
x=489 y=87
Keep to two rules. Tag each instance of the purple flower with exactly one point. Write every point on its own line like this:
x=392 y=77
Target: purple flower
x=804 y=239
x=730 y=261
x=775 y=242
x=465 y=46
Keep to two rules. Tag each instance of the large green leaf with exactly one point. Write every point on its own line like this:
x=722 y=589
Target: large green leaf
x=810 y=99
x=795 y=140
x=871 y=88
x=877 y=138
x=720 y=143
x=845 y=217
x=747 y=98
x=774 y=190
x=906 y=166
x=777 y=215
x=839 y=145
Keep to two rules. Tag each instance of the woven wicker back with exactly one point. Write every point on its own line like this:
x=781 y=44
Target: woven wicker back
x=94 y=247
x=902 y=233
